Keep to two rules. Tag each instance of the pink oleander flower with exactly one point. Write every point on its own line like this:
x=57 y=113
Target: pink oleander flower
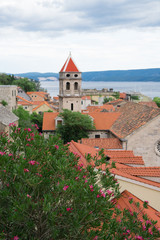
x=27 y=145
x=130 y=198
x=28 y=196
x=15 y=238
x=86 y=181
x=144 y=228
x=4 y=170
x=84 y=176
x=91 y=188
x=150 y=231
x=28 y=139
x=128 y=231
x=65 y=188
x=98 y=196
x=40 y=134
x=38 y=174
x=139 y=237
x=95 y=238
x=32 y=162
x=12 y=124
x=69 y=209
x=10 y=154
x=32 y=134
x=7 y=184
x=109 y=192
x=29 y=130
x=103 y=195
x=26 y=170
x=57 y=147
x=148 y=222
x=146 y=202
x=76 y=178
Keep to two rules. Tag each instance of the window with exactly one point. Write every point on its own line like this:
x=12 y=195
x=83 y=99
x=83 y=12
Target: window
x=67 y=75
x=67 y=86
x=157 y=148
x=97 y=136
x=81 y=102
x=71 y=106
x=75 y=86
x=75 y=75
x=59 y=122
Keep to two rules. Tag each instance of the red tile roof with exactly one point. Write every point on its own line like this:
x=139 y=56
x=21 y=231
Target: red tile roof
x=107 y=108
x=143 y=171
x=123 y=203
x=149 y=104
x=69 y=66
x=82 y=149
x=122 y=95
x=86 y=98
x=49 y=121
x=104 y=120
x=106 y=143
x=23 y=101
x=42 y=103
x=133 y=116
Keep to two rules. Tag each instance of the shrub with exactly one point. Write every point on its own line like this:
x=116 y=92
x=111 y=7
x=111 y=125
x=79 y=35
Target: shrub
x=45 y=194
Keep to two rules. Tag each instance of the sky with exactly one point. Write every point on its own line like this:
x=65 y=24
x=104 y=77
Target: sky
x=37 y=35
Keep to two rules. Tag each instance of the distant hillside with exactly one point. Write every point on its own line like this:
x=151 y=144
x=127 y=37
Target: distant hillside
x=140 y=75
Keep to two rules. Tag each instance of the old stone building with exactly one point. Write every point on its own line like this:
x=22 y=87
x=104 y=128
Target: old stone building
x=8 y=93
x=70 y=79
x=6 y=118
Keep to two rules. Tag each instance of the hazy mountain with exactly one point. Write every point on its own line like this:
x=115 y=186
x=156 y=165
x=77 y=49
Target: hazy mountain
x=140 y=75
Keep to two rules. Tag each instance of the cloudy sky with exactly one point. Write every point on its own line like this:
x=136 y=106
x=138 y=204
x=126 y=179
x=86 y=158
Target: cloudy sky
x=37 y=35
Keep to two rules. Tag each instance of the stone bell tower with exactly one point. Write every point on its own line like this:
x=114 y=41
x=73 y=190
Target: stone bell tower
x=70 y=79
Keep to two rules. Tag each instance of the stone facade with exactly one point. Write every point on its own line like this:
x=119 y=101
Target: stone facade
x=143 y=142
x=8 y=93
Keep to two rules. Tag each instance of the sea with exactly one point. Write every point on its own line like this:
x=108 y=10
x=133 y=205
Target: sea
x=150 y=89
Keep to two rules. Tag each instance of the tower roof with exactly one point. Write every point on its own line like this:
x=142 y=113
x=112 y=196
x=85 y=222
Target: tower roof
x=69 y=65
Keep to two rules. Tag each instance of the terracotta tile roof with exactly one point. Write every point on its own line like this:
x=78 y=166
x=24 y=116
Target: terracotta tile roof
x=107 y=108
x=56 y=98
x=119 y=153
x=143 y=171
x=149 y=104
x=86 y=98
x=115 y=102
x=104 y=120
x=36 y=103
x=123 y=203
x=106 y=143
x=82 y=149
x=136 y=160
x=49 y=121
x=122 y=95
x=41 y=94
x=133 y=116
x=23 y=101
x=69 y=66
x=42 y=103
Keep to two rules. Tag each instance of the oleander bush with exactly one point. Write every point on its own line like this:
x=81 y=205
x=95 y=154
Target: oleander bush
x=46 y=195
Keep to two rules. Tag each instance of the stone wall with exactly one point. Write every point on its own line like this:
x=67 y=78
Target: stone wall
x=8 y=93
x=143 y=142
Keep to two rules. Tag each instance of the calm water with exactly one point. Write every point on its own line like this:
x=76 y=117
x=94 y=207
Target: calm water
x=150 y=89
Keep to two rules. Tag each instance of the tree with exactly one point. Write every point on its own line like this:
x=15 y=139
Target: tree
x=26 y=119
x=106 y=99
x=116 y=95
x=4 y=103
x=157 y=101
x=25 y=84
x=75 y=126
x=46 y=194
x=133 y=97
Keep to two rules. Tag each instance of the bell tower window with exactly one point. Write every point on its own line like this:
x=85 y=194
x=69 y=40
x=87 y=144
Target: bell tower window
x=67 y=86
x=75 y=86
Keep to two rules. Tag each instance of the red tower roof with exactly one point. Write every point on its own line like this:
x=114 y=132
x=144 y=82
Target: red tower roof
x=69 y=65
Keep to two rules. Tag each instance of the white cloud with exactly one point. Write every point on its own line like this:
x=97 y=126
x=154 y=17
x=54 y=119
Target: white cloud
x=37 y=35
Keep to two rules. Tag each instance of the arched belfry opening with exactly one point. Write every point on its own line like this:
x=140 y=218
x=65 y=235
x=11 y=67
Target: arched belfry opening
x=70 y=80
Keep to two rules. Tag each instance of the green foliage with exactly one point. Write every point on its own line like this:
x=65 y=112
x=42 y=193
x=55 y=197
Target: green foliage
x=24 y=83
x=157 y=101
x=106 y=99
x=116 y=95
x=4 y=103
x=26 y=119
x=135 y=97
x=46 y=194
x=75 y=127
